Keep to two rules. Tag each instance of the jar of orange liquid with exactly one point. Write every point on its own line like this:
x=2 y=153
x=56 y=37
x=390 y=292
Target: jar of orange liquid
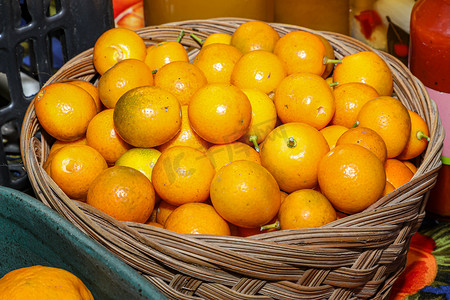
x=330 y=15
x=164 y=11
x=429 y=61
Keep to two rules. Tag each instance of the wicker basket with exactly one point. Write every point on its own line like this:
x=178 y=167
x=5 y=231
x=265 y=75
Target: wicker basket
x=356 y=257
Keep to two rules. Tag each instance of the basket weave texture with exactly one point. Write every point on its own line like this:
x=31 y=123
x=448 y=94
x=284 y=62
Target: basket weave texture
x=356 y=257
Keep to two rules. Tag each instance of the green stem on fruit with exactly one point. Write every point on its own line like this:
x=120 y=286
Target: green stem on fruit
x=197 y=39
x=331 y=84
x=356 y=124
x=420 y=135
x=275 y=225
x=254 y=139
x=327 y=60
x=292 y=143
x=180 y=36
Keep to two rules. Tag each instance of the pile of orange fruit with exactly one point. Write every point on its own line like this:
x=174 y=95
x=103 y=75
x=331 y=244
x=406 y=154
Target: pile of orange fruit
x=259 y=132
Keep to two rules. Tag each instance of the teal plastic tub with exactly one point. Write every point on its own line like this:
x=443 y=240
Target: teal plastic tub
x=33 y=234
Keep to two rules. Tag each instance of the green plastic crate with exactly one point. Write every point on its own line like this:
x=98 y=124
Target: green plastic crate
x=33 y=234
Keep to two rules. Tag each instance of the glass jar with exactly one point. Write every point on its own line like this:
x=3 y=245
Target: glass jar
x=429 y=61
x=330 y=15
x=164 y=11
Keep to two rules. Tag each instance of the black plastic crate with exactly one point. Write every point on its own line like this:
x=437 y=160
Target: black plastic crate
x=36 y=38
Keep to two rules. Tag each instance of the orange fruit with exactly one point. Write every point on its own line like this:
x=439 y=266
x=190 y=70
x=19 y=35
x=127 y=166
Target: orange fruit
x=163 y=211
x=147 y=116
x=264 y=117
x=217 y=62
x=245 y=194
x=102 y=136
x=329 y=54
x=181 y=78
x=258 y=69
x=220 y=113
x=397 y=173
x=305 y=208
x=332 y=133
x=64 y=110
x=306 y=98
x=390 y=119
x=141 y=159
x=117 y=44
x=122 y=77
x=221 y=155
x=367 y=138
x=217 y=38
x=418 y=139
x=196 y=218
x=301 y=51
x=245 y=232
x=123 y=193
x=349 y=98
x=182 y=174
x=74 y=167
x=90 y=88
x=163 y=53
x=366 y=67
x=388 y=188
x=151 y=223
x=351 y=177
x=292 y=152
x=59 y=144
x=41 y=282
x=410 y=165
x=254 y=35
x=186 y=136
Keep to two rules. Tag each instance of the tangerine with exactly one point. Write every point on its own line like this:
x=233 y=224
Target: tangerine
x=245 y=194
x=182 y=174
x=418 y=139
x=74 y=167
x=122 y=77
x=217 y=62
x=117 y=44
x=306 y=98
x=366 y=67
x=264 y=117
x=181 y=78
x=367 y=138
x=349 y=98
x=305 y=208
x=397 y=173
x=141 y=159
x=220 y=113
x=258 y=69
x=123 y=193
x=64 y=110
x=351 y=177
x=254 y=35
x=147 y=116
x=165 y=52
x=196 y=218
x=102 y=136
x=390 y=119
x=292 y=152
x=301 y=51
x=42 y=283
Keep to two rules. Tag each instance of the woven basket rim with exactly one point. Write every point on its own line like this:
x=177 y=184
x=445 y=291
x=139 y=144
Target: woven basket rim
x=385 y=226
